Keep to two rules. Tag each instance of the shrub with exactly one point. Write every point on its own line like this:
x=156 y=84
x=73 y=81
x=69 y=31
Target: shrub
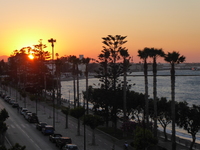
x=143 y=138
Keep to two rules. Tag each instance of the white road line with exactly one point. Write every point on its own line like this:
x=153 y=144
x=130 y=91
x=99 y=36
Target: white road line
x=23 y=125
x=38 y=148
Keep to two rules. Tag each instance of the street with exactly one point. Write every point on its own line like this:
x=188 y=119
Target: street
x=22 y=132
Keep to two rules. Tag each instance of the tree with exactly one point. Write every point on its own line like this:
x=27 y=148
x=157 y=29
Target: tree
x=164 y=114
x=143 y=139
x=3 y=127
x=188 y=118
x=126 y=64
x=154 y=53
x=72 y=59
x=144 y=54
x=78 y=112
x=173 y=58
x=66 y=112
x=93 y=121
x=86 y=61
x=113 y=44
x=15 y=147
x=103 y=76
x=58 y=63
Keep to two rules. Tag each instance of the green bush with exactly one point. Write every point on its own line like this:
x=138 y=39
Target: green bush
x=143 y=138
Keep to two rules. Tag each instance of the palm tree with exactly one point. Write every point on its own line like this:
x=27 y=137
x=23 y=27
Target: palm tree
x=58 y=64
x=124 y=53
x=86 y=61
x=173 y=58
x=72 y=60
x=144 y=54
x=155 y=53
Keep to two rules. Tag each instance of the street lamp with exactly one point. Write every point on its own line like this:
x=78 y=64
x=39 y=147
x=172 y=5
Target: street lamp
x=52 y=41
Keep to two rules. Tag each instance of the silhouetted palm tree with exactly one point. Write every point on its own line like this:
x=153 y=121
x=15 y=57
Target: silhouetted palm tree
x=144 y=54
x=125 y=55
x=72 y=60
x=86 y=61
x=173 y=58
x=155 y=53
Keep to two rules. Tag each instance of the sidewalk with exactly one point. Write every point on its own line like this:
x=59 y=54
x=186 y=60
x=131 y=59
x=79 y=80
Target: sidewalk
x=103 y=141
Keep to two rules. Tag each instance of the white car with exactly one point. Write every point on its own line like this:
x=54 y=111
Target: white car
x=70 y=147
x=23 y=110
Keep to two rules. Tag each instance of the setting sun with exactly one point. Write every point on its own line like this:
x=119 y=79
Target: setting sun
x=30 y=56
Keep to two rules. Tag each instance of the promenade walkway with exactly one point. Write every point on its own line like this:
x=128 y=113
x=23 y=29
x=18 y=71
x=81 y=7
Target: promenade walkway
x=103 y=141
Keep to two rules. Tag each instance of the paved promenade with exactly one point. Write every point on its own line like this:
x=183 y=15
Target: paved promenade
x=103 y=141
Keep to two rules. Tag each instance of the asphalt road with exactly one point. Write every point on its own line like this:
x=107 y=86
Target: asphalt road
x=22 y=132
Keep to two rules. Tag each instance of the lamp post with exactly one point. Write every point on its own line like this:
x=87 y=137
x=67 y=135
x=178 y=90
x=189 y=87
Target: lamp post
x=52 y=41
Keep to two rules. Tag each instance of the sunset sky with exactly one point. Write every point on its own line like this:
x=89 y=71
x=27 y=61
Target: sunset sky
x=79 y=25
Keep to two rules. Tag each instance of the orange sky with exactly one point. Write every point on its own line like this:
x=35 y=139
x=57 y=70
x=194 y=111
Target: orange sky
x=79 y=25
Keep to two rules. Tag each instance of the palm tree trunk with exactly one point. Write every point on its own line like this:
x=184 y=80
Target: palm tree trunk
x=173 y=106
x=93 y=137
x=155 y=95
x=124 y=96
x=78 y=127
x=66 y=123
x=86 y=75
x=146 y=111
x=77 y=75
x=74 y=85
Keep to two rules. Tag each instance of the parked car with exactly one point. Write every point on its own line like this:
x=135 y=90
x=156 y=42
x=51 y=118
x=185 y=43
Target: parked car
x=54 y=137
x=48 y=129
x=7 y=98
x=40 y=125
x=3 y=95
x=15 y=105
x=27 y=114
x=70 y=147
x=62 y=141
x=11 y=101
x=23 y=110
x=33 y=118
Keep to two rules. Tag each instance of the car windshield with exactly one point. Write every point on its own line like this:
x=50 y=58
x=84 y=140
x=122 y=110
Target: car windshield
x=42 y=124
x=49 y=128
x=73 y=148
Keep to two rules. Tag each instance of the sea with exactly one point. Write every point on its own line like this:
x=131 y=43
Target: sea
x=187 y=88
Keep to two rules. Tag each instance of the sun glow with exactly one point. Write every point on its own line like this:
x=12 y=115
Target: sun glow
x=30 y=56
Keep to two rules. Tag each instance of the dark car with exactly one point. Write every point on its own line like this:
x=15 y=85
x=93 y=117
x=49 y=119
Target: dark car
x=70 y=147
x=40 y=125
x=47 y=130
x=54 y=137
x=62 y=141
x=33 y=118
x=15 y=105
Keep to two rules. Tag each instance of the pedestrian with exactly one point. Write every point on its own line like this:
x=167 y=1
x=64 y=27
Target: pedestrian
x=125 y=145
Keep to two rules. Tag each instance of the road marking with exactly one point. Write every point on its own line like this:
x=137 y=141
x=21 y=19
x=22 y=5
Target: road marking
x=38 y=148
x=23 y=125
